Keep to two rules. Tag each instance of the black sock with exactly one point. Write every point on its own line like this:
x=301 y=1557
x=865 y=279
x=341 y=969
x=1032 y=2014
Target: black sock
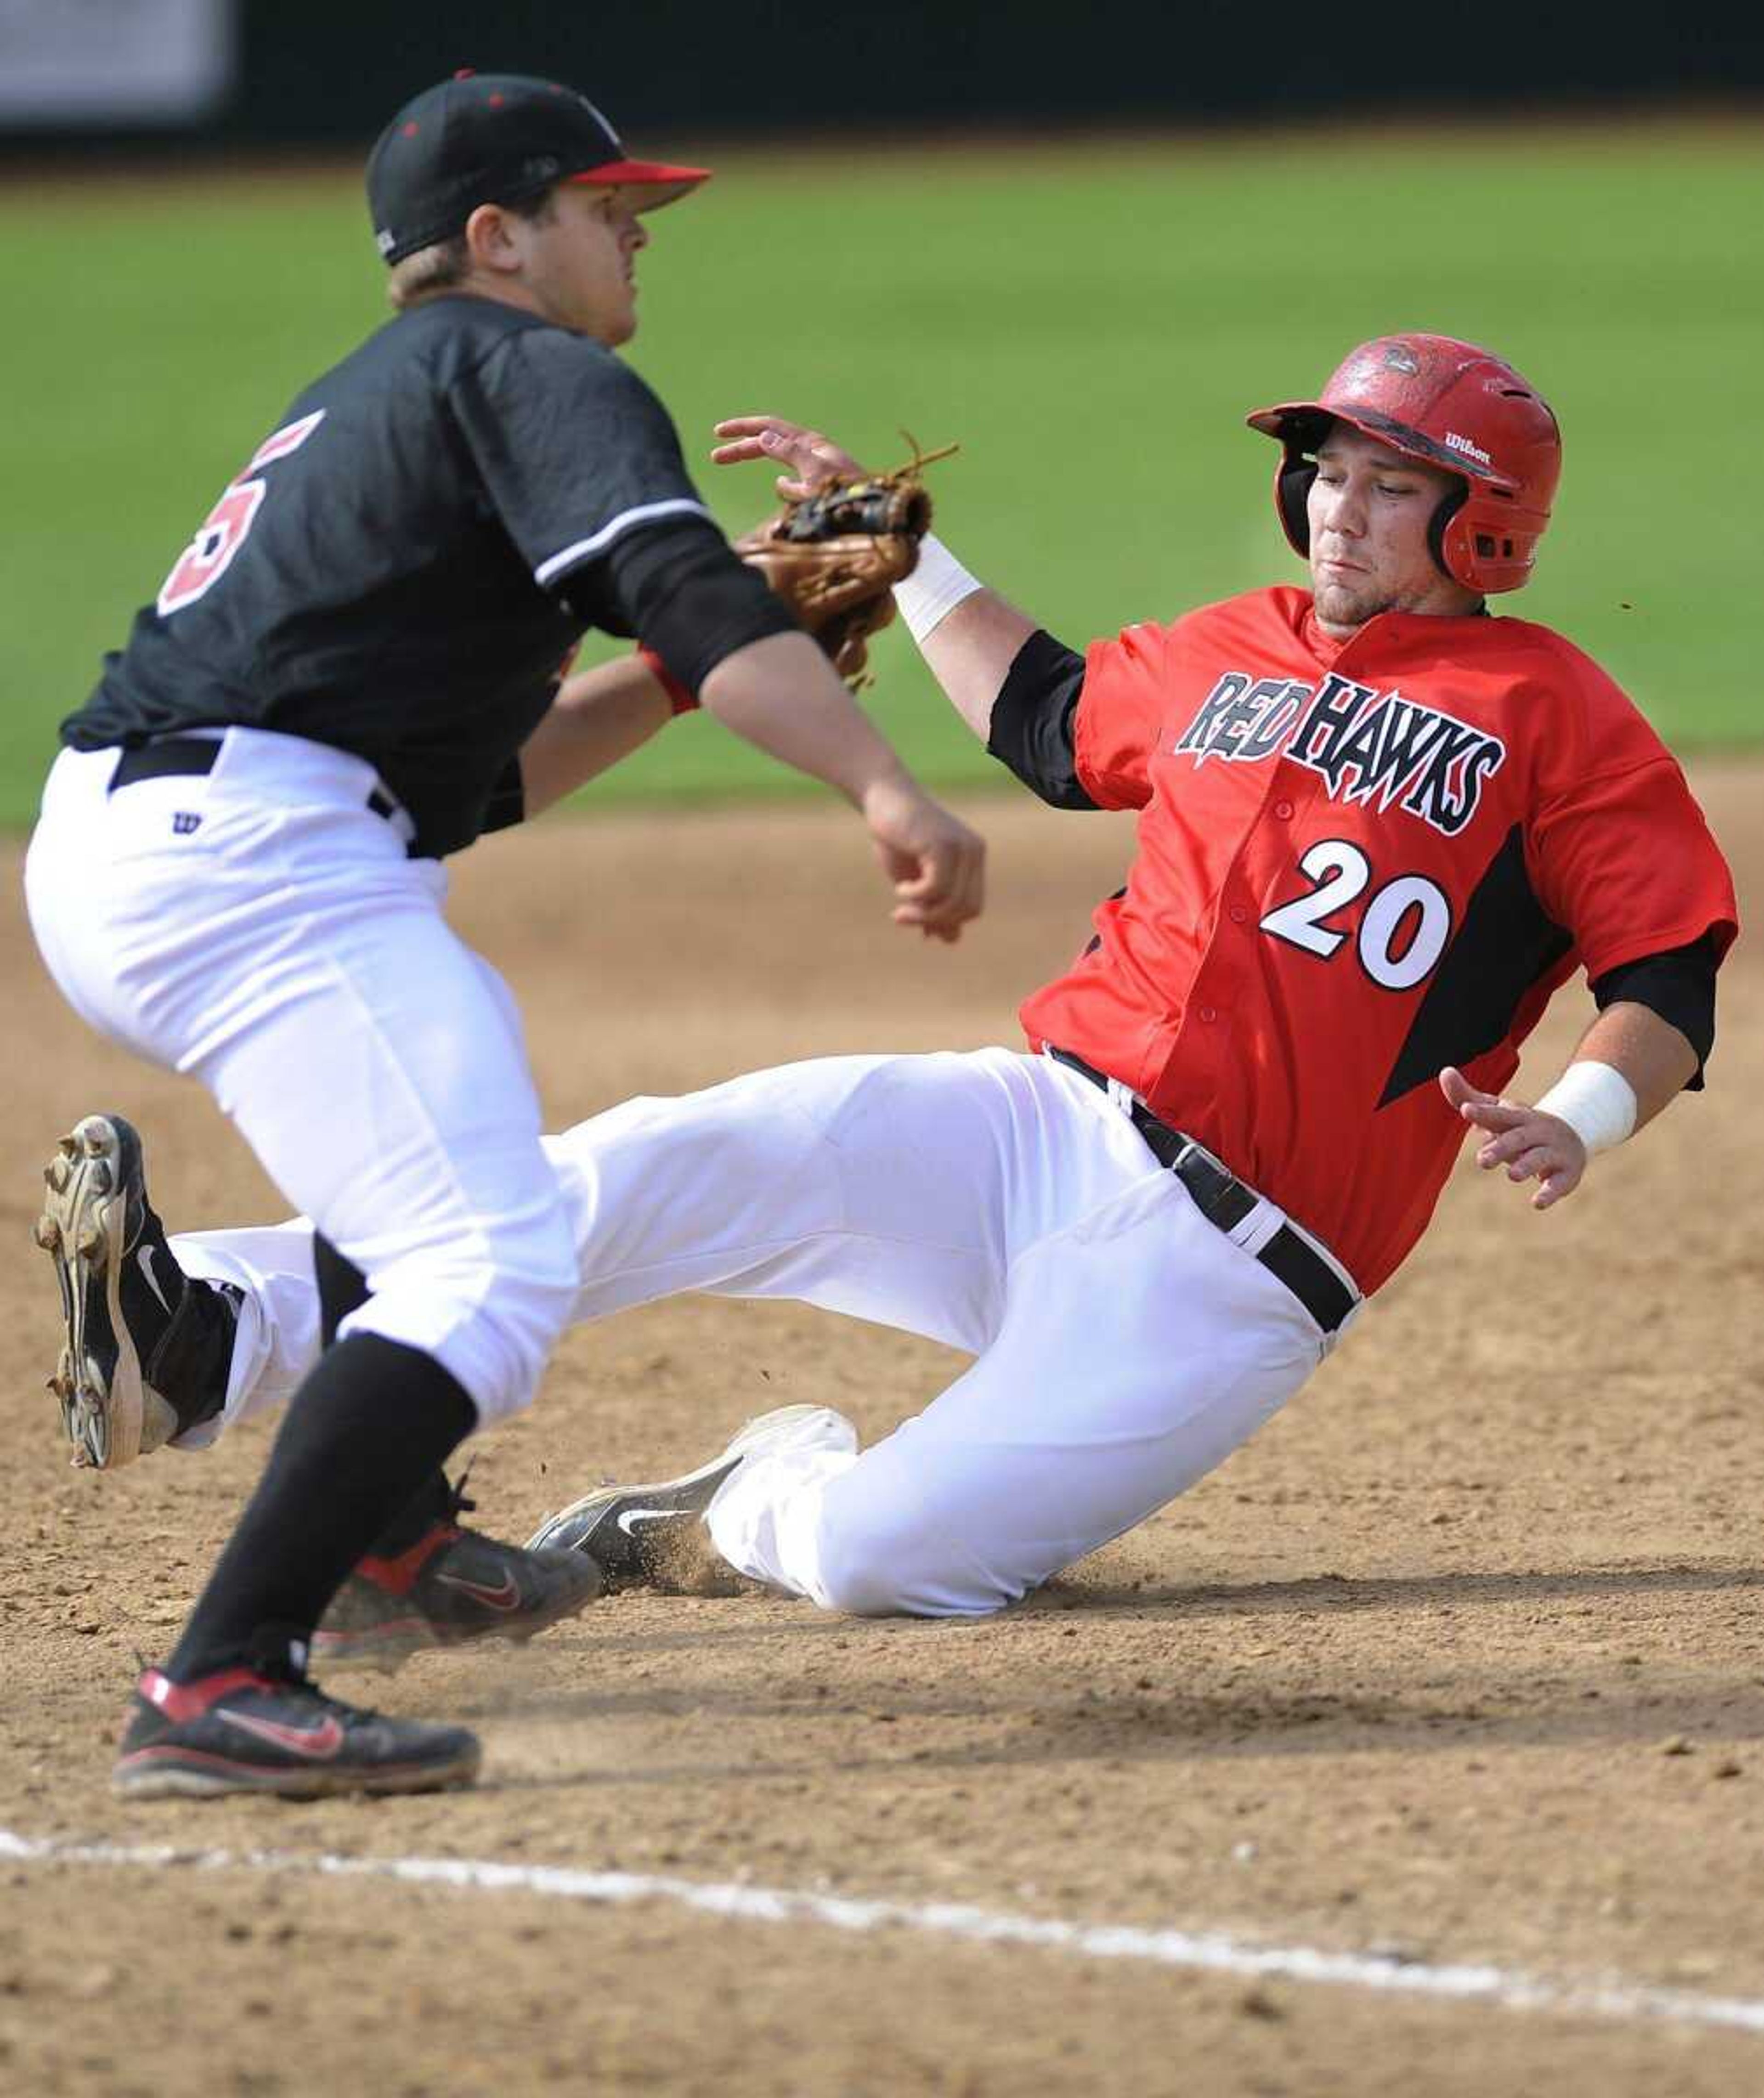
x=373 y=1421
x=194 y=1359
x=343 y=1288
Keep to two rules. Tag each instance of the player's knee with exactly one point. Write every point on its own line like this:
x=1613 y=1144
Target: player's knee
x=493 y=1327
x=875 y=1563
x=507 y=1339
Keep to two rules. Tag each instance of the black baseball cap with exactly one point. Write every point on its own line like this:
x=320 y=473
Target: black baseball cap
x=495 y=138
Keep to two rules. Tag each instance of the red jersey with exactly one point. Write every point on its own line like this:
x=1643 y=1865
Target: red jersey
x=1358 y=861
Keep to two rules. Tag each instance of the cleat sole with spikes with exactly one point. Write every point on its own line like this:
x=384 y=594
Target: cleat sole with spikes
x=107 y=1411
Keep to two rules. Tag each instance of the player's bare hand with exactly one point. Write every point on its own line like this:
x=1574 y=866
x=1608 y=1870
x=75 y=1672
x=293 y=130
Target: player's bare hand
x=937 y=864
x=807 y=456
x=1530 y=1145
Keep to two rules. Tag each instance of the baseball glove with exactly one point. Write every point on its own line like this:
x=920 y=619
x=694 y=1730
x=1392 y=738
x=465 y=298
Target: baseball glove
x=834 y=555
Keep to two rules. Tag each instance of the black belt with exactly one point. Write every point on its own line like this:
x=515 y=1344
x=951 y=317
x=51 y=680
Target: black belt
x=1223 y=1200
x=191 y=757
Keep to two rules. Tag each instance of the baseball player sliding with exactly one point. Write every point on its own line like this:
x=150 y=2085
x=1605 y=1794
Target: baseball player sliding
x=348 y=673
x=1378 y=828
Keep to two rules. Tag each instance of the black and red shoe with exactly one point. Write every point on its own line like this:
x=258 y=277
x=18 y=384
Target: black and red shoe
x=239 y=1731
x=450 y=1586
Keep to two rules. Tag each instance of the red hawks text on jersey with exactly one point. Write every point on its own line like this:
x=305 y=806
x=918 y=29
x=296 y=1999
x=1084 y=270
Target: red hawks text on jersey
x=1359 y=862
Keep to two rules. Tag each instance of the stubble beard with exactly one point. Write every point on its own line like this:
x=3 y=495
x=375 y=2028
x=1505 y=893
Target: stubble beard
x=1341 y=605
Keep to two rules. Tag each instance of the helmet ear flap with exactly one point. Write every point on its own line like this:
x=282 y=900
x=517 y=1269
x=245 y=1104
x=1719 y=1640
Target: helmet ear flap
x=1293 y=478
x=1449 y=505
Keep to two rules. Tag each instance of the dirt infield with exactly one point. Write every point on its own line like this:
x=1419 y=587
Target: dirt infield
x=1458 y=1666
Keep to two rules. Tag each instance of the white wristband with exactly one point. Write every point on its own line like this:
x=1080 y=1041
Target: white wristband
x=1596 y=1101
x=936 y=586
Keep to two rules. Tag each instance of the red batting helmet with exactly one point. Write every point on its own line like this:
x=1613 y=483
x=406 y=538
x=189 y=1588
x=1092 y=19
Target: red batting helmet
x=1447 y=404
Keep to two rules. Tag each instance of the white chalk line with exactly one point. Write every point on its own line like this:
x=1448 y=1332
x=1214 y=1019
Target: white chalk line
x=1208 y=1951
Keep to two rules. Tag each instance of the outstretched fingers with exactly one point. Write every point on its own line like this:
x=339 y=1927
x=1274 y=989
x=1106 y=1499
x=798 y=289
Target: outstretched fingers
x=807 y=456
x=1530 y=1145
x=1552 y=1186
x=1482 y=1110
x=742 y=438
x=1457 y=1089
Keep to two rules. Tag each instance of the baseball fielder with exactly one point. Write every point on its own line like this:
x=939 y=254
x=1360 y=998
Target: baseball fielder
x=346 y=675
x=1378 y=828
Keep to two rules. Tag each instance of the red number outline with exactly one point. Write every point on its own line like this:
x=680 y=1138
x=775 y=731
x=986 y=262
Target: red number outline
x=223 y=531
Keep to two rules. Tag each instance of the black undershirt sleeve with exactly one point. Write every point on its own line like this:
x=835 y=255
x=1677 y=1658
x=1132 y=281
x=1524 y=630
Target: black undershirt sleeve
x=508 y=799
x=678 y=587
x=1031 y=729
x=1678 y=984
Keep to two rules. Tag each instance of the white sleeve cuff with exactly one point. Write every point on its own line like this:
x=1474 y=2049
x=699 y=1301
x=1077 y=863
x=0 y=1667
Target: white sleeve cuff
x=1596 y=1101
x=936 y=586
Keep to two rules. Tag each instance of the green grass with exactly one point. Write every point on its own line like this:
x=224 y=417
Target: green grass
x=1091 y=322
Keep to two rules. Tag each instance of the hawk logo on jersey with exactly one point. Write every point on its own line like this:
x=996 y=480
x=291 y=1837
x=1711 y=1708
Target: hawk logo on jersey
x=1368 y=746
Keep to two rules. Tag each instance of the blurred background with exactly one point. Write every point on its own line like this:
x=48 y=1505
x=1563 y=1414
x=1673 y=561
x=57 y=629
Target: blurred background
x=1083 y=241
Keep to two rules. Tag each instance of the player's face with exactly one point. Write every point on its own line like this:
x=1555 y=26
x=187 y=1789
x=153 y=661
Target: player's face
x=1369 y=509
x=579 y=263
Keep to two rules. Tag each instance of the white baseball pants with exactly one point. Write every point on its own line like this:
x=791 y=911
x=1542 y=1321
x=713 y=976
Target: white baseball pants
x=996 y=1201
x=262 y=928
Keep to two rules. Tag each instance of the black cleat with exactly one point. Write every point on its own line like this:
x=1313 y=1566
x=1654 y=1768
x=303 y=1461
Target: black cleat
x=238 y=1730
x=145 y=1350
x=654 y=1536
x=451 y=1586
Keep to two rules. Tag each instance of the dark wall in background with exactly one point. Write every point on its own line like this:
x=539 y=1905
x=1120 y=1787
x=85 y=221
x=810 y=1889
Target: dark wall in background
x=319 y=72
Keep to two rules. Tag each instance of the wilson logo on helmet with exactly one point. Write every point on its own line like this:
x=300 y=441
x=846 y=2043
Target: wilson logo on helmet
x=1447 y=404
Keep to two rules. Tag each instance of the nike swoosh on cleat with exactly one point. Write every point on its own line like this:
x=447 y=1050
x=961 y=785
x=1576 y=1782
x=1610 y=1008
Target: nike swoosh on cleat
x=645 y=1515
x=144 y=1261
x=319 y=1743
x=506 y=1597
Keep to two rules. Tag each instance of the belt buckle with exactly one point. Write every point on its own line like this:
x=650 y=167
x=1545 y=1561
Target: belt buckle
x=1193 y=1148
x=1222 y=1199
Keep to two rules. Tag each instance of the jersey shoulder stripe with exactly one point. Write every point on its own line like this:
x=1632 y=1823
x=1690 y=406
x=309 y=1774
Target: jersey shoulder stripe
x=642 y=513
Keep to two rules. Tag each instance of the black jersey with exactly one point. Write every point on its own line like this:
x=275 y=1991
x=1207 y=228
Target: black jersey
x=405 y=563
